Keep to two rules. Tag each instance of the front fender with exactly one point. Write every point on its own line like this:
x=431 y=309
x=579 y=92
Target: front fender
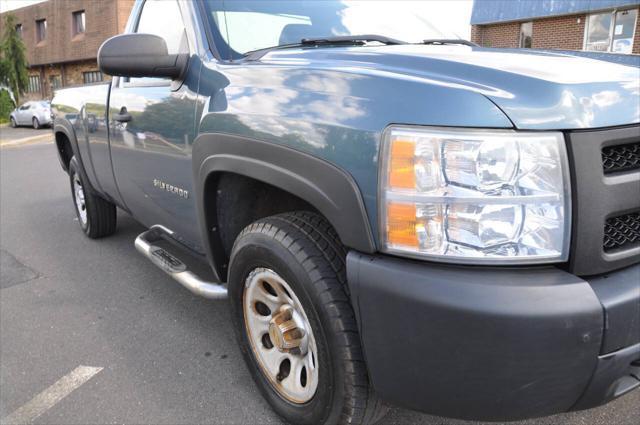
x=326 y=187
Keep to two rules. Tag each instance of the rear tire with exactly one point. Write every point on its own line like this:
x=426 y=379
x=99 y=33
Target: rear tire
x=303 y=250
x=12 y=122
x=36 y=123
x=97 y=216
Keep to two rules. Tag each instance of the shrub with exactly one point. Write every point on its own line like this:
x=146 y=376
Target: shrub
x=6 y=105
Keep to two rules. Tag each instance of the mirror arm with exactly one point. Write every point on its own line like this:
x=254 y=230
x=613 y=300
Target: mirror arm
x=177 y=69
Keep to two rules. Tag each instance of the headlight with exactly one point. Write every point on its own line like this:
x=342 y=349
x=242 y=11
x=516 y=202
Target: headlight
x=474 y=196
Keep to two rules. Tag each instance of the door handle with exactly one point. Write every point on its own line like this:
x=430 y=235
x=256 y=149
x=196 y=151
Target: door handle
x=123 y=116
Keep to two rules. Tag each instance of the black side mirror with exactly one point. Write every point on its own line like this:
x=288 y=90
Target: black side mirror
x=140 y=55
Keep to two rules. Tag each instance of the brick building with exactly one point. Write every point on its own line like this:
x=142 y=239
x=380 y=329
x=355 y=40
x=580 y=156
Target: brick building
x=62 y=38
x=592 y=25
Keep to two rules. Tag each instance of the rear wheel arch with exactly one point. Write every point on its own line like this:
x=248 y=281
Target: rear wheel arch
x=299 y=180
x=65 y=137
x=65 y=150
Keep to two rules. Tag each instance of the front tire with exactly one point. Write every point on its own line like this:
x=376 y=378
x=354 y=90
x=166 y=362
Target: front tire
x=12 y=122
x=97 y=216
x=36 y=123
x=287 y=283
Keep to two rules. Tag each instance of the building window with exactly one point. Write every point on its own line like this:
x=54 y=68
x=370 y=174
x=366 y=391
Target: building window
x=55 y=82
x=41 y=30
x=19 y=30
x=92 y=77
x=34 y=84
x=611 y=31
x=526 y=34
x=78 y=22
x=623 y=31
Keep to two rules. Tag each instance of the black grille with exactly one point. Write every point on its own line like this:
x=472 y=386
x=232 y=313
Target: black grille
x=606 y=209
x=621 y=157
x=622 y=231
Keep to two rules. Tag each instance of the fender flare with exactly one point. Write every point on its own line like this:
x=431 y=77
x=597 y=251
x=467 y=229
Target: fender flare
x=329 y=189
x=65 y=128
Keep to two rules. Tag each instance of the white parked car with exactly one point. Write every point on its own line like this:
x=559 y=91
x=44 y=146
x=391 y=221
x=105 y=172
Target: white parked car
x=35 y=113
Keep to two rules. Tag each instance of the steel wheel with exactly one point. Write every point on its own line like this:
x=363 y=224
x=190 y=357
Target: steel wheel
x=81 y=206
x=280 y=335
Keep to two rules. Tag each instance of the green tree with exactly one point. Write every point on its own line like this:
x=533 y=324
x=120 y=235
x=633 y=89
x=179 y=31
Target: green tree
x=6 y=106
x=13 y=59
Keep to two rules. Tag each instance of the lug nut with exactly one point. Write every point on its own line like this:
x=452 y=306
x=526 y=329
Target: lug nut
x=283 y=330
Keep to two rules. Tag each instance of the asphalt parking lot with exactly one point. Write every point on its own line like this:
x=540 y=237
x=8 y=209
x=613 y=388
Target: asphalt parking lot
x=118 y=340
x=21 y=136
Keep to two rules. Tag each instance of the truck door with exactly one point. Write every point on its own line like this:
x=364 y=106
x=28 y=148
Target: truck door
x=152 y=128
x=91 y=125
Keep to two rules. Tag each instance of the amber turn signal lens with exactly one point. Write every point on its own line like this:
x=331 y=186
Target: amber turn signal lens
x=401 y=225
x=401 y=171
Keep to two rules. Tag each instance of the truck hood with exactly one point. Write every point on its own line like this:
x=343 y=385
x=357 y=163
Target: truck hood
x=535 y=89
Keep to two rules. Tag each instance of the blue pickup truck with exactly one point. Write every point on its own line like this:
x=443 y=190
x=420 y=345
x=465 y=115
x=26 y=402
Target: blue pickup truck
x=395 y=216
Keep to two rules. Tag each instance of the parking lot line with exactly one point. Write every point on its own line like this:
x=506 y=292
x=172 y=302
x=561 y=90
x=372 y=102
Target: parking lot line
x=51 y=396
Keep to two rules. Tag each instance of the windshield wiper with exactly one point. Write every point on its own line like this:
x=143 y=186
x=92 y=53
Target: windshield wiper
x=351 y=40
x=443 y=41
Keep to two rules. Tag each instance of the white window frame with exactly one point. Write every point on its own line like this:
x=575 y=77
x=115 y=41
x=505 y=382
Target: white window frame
x=611 y=30
x=521 y=39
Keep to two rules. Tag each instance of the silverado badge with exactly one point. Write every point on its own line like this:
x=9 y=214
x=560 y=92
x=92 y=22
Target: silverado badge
x=171 y=188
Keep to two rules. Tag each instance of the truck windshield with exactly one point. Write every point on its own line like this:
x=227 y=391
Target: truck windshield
x=241 y=26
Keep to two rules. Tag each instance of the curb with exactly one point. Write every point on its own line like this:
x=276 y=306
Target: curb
x=26 y=140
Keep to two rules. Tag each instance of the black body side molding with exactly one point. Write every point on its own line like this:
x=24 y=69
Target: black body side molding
x=326 y=187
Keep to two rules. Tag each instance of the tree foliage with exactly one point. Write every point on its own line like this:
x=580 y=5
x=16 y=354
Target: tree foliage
x=6 y=106
x=13 y=59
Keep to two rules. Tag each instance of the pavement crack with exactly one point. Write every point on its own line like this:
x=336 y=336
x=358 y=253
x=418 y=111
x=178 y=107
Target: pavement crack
x=14 y=272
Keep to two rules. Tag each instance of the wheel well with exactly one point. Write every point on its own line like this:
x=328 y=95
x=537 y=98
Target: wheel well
x=232 y=202
x=64 y=149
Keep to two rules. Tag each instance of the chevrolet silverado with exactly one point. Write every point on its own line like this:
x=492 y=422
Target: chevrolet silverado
x=395 y=215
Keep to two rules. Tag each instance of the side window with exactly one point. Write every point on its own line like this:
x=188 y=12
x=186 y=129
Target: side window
x=162 y=18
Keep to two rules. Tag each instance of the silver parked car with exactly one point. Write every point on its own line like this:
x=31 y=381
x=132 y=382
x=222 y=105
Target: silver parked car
x=36 y=114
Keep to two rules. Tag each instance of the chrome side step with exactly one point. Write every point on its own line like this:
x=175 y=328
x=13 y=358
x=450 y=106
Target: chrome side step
x=173 y=266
